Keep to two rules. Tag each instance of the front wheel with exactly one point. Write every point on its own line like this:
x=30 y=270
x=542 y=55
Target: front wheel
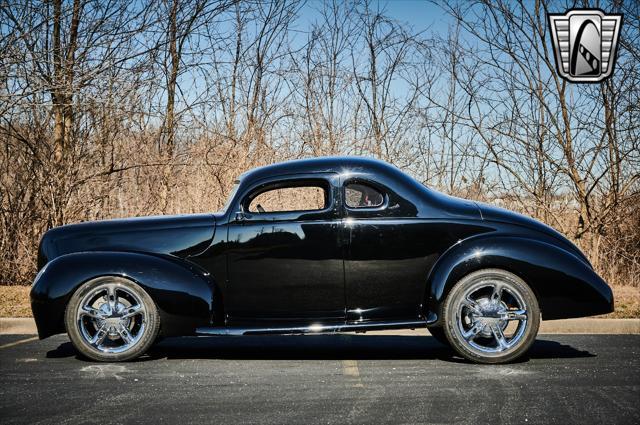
x=111 y=319
x=491 y=316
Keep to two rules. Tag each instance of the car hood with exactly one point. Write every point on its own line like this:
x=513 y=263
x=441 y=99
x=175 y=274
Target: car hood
x=180 y=235
x=493 y=213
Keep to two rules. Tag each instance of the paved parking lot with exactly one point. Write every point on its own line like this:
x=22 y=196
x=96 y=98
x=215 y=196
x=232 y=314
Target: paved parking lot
x=322 y=379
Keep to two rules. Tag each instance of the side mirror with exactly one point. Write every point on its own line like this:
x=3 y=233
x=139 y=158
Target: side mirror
x=240 y=216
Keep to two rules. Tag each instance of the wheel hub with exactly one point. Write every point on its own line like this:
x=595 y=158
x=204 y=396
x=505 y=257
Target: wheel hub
x=112 y=319
x=111 y=314
x=488 y=315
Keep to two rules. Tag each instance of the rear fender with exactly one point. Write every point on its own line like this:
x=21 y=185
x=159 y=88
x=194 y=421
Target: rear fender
x=184 y=295
x=564 y=284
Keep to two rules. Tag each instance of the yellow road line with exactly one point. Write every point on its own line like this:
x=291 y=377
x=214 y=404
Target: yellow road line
x=22 y=341
x=350 y=368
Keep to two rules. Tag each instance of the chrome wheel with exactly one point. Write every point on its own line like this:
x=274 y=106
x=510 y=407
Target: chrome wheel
x=111 y=317
x=492 y=315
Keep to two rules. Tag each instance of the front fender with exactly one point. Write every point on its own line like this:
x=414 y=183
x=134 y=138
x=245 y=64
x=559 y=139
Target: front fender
x=183 y=295
x=564 y=284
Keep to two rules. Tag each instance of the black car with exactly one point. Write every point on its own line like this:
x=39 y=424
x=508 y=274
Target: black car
x=318 y=245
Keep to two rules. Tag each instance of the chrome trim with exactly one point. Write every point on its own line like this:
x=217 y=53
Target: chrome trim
x=311 y=329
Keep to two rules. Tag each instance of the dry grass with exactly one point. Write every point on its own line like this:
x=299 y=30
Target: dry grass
x=14 y=302
x=627 y=302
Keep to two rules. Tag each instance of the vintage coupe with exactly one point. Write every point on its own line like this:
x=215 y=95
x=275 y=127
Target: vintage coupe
x=309 y=246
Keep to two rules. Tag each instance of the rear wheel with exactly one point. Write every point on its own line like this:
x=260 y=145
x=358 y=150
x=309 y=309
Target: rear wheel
x=111 y=319
x=491 y=316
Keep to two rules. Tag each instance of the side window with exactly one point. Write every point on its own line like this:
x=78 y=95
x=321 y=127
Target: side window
x=358 y=195
x=299 y=197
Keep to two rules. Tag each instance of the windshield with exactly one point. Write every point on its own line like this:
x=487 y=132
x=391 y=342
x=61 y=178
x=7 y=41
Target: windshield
x=234 y=189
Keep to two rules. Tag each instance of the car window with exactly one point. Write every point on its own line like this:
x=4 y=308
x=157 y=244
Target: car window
x=360 y=195
x=294 y=198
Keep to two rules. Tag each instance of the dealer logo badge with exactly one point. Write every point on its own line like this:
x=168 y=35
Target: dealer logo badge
x=585 y=43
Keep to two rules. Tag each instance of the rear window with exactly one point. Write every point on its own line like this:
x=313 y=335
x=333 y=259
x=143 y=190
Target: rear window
x=359 y=195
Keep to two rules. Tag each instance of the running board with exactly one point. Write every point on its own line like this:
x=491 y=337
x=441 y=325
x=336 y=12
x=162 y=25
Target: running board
x=311 y=329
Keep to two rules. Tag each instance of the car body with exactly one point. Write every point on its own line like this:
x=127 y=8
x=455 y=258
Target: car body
x=385 y=265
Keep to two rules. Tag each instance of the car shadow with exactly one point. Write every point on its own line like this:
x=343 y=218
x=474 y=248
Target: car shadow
x=323 y=347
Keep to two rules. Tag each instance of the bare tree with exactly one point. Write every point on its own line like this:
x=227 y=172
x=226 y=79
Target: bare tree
x=526 y=109
x=54 y=53
x=324 y=82
x=185 y=23
x=389 y=61
x=113 y=108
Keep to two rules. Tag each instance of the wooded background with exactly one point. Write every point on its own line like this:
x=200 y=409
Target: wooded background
x=113 y=108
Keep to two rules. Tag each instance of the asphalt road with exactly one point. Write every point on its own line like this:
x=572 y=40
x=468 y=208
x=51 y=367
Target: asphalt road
x=337 y=379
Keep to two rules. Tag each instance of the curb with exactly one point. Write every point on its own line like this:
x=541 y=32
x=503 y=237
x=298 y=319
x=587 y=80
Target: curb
x=27 y=326
x=17 y=326
x=591 y=326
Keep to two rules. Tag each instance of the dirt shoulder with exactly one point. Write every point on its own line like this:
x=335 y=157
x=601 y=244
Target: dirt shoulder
x=14 y=302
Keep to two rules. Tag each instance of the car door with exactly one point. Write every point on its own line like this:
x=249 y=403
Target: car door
x=388 y=253
x=285 y=256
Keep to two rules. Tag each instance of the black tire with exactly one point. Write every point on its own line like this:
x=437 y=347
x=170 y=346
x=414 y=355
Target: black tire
x=439 y=335
x=475 y=329
x=146 y=321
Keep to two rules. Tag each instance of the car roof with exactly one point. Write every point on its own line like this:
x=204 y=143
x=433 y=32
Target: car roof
x=327 y=164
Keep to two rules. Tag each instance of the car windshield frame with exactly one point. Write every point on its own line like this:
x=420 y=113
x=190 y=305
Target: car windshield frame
x=231 y=196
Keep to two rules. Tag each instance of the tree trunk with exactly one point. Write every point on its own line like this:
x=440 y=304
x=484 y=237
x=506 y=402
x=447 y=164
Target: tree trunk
x=56 y=90
x=173 y=78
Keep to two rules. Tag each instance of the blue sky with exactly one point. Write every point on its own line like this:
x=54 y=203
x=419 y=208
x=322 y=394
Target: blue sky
x=420 y=14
